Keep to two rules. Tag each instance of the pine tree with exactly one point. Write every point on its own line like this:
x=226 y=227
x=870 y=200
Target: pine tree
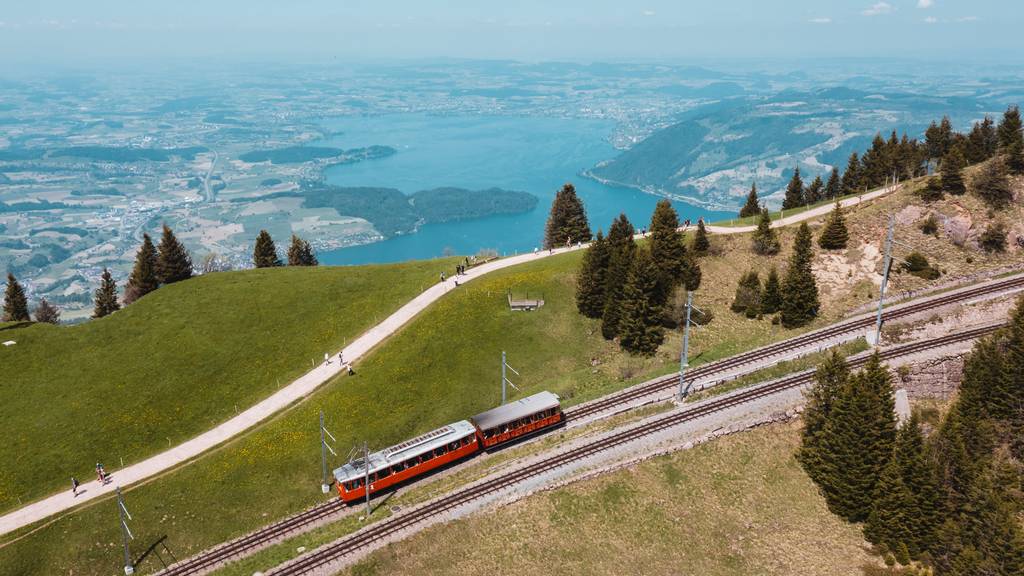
x=701 y=242
x=857 y=441
x=752 y=207
x=1014 y=158
x=46 y=312
x=887 y=522
x=765 y=242
x=794 y=192
x=932 y=190
x=667 y=251
x=621 y=251
x=799 y=289
x=1009 y=130
x=833 y=188
x=640 y=323
x=143 y=278
x=981 y=142
x=173 y=262
x=590 y=282
x=851 y=177
x=771 y=294
x=815 y=191
x=264 y=255
x=952 y=172
x=567 y=221
x=300 y=253
x=992 y=184
x=15 y=302
x=834 y=236
x=920 y=477
x=748 y=295
x=106 y=296
x=829 y=379
x=875 y=164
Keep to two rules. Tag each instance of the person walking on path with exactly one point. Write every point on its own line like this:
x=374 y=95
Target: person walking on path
x=101 y=474
x=327 y=359
x=74 y=486
x=442 y=277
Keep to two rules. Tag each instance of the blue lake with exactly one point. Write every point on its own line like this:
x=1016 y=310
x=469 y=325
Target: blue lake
x=535 y=155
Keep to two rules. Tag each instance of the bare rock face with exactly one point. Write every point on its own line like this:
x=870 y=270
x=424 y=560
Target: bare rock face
x=909 y=215
x=1015 y=241
x=958 y=228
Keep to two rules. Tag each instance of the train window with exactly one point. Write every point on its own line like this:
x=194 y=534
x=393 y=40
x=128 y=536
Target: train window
x=384 y=473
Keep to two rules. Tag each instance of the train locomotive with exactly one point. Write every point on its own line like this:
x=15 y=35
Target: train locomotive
x=456 y=441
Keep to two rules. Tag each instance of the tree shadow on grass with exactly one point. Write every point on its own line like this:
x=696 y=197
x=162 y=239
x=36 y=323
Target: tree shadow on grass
x=16 y=325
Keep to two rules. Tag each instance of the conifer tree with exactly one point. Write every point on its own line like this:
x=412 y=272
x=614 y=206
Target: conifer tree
x=748 y=295
x=46 y=312
x=639 y=327
x=833 y=188
x=932 y=190
x=1009 y=130
x=799 y=289
x=264 y=254
x=765 y=242
x=668 y=252
x=888 y=523
x=992 y=184
x=621 y=251
x=851 y=177
x=300 y=253
x=143 y=278
x=567 y=220
x=173 y=262
x=857 y=441
x=815 y=191
x=981 y=142
x=15 y=302
x=1014 y=155
x=794 y=192
x=952 y=172
x=771 y=295
x=752 y=206
x=875 y=164
x=920 y=477
x=829 y=379
x=701 y=242
x=106 y=296
x=834 y=236
x=590 y=282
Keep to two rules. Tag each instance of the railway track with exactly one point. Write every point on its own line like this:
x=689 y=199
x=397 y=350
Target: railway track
x=264 y=536
x=843 y=328
x=394 y=525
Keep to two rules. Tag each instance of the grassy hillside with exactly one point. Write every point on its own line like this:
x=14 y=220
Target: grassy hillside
x=174 y=364
x=443 y=366
x=739 y=505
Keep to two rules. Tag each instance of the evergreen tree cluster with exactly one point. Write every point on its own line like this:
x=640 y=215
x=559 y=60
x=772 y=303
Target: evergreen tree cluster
x=16 y=305
x=300 y=253
x=264 y=253
x=167 y=263
x=567 y=221
x=630 y=288
x=952 y=500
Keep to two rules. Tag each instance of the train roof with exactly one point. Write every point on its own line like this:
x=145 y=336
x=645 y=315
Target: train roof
x=407 y=449
x=515 y=410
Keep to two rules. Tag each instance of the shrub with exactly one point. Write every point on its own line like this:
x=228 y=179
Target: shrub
x=917 y=265
x=930 y=225
x=932 y=190
x=993 y=239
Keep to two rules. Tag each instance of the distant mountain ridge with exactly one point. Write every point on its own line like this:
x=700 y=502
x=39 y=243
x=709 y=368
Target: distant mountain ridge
x=712 y=153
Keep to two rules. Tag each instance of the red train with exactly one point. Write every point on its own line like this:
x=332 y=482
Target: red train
x=448 y=443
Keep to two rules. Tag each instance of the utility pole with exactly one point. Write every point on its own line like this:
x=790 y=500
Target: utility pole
x=885 y=278
x=504 y=378
x=366 y=477
x=325 y=485
x=684 y=358
x=126 y=534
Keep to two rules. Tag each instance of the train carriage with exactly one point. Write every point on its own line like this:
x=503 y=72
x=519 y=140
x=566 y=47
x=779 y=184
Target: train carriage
x=517 y=419
x=407 y=460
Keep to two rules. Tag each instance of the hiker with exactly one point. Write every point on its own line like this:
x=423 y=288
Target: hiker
x=327 y=359
x=101 y=475
x=74 y=486
x=340 y=359
x=442 y=277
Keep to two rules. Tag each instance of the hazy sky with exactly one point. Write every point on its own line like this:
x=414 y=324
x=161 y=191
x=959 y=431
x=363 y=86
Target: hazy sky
x=101 y=31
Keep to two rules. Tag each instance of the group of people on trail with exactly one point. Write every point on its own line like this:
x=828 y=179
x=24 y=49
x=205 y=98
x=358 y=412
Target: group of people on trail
x=101 y=477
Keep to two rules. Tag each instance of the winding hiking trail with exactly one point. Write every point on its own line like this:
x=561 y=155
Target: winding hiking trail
x=313 y=379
